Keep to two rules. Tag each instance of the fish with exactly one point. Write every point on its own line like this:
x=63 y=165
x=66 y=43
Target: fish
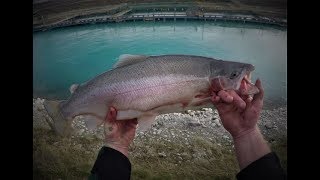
x=145 y=86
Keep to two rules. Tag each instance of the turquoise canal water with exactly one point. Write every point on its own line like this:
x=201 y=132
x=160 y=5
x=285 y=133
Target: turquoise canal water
x=65 y=56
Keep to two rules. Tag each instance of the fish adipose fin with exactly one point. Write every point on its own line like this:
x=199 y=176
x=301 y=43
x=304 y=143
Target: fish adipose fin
x=73 y=88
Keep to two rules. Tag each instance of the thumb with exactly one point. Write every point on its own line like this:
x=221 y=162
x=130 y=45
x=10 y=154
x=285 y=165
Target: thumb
x=258 y=98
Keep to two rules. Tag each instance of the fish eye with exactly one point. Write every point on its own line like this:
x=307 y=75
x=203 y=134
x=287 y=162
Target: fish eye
x=233 y=75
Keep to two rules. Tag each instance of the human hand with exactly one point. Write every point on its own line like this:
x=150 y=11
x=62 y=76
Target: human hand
x=119 y=134
x=239 y=115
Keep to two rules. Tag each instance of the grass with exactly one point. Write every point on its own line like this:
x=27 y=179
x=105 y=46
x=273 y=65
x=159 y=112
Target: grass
x=214 y=162
x=280 y=147
x=56 y=158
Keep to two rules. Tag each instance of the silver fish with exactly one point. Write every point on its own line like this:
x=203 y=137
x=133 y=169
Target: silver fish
x=143 y=87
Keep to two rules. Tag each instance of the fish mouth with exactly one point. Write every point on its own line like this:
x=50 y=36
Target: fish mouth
x=245 y=86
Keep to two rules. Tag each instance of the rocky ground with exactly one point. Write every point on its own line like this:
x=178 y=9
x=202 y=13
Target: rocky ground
x=205 y=123
x=178 y=138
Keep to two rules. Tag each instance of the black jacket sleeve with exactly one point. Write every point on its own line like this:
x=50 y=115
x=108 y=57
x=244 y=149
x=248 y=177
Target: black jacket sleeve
x=266 y=168
x=111 y=164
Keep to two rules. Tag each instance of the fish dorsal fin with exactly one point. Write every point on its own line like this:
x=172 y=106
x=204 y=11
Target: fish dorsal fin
x=128 y=59
x=73 y=88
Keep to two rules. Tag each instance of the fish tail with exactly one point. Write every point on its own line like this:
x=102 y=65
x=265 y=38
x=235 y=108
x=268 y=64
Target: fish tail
x=60 y=124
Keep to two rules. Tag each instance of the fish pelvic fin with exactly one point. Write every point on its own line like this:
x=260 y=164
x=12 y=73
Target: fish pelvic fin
x=92 y=122
x=61 y=125
x=145 y=122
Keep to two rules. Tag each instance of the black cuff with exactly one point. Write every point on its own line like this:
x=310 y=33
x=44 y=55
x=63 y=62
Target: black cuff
x=267 y=167
x=111 y=164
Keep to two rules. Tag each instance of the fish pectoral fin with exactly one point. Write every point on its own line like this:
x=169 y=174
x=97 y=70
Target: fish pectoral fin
x=200 y=101
x=128 y=59
x=145 y=122
x=91 y=122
